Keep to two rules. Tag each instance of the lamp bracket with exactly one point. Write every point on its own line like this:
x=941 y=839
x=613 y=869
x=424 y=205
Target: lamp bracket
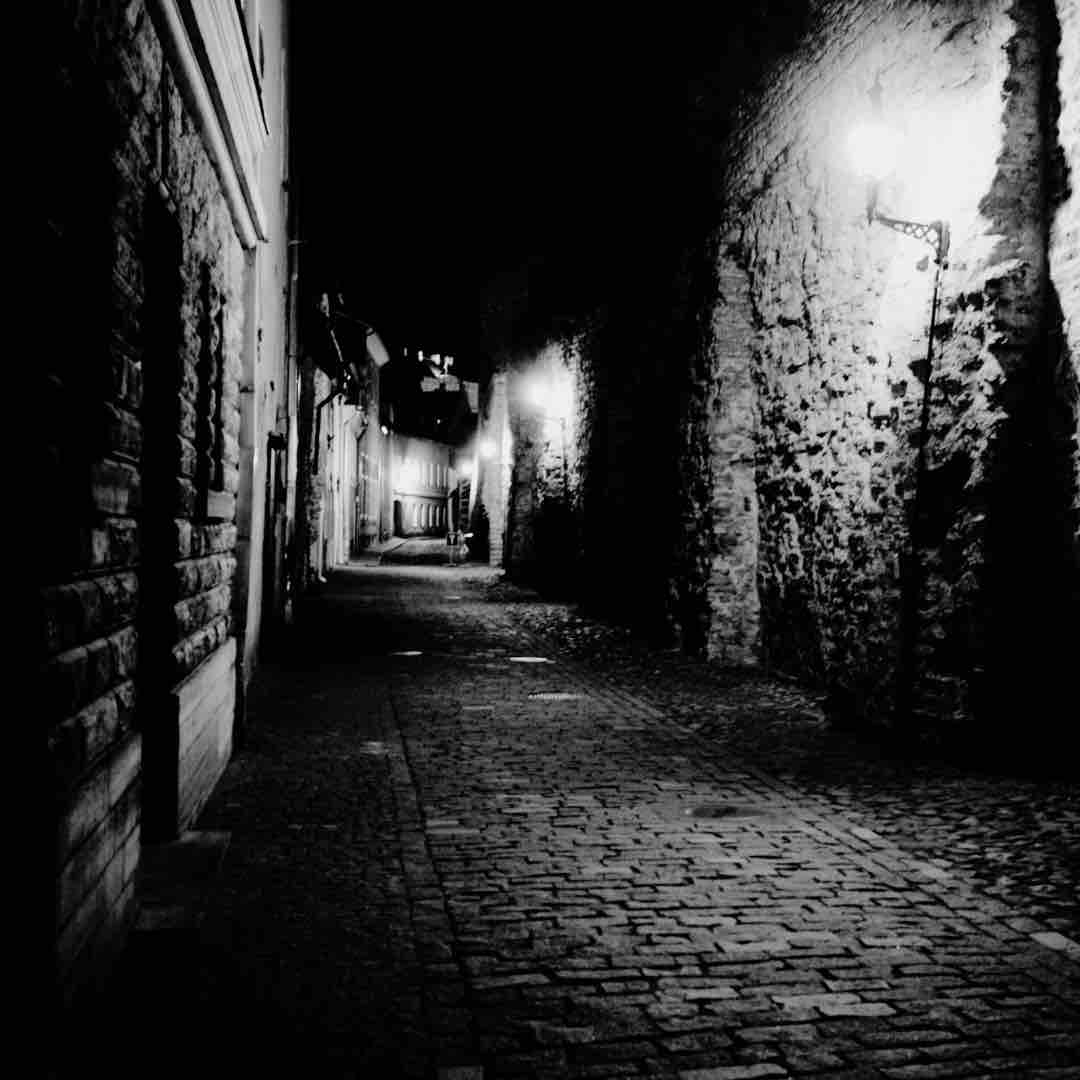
x=934 y=233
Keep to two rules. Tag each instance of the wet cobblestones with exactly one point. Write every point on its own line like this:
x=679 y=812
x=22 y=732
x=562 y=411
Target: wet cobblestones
x=447 y=863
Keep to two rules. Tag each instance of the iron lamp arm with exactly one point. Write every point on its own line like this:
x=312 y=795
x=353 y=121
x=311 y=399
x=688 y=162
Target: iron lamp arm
x=934 y=233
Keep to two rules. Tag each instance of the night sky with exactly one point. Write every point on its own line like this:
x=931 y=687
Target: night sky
x=452 y=168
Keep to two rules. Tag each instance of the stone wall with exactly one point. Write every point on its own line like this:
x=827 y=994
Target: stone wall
x=490 y=501
x=900 y=535
x=1065 y=255
x=802 y=443
x=545 y=481
x=135 y=556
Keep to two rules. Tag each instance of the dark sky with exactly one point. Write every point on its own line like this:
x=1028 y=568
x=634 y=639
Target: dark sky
x=440 y=158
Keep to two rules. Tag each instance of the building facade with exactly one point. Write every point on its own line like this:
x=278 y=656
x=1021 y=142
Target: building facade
x=163 y=538
x=422 y=477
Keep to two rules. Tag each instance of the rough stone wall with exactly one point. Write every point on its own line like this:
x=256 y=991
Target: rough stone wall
x=135 y=554
x=545 y=483
x=490 y=505
x=731 y=422
x=1065 y=245
x=887 y=541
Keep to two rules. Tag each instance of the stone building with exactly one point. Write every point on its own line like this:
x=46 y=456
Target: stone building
x=344 y=473
x=421 y=477
x=858 y=449
x=170 y=465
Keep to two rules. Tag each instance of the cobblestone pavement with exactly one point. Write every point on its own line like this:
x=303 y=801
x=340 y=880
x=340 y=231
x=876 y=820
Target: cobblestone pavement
x=477 y=836
x=1015 y=835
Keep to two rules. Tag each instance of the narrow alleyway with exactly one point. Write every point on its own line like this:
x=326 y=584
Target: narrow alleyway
x=473 y=835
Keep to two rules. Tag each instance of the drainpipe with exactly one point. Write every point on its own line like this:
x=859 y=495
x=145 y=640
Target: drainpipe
x=318 y=424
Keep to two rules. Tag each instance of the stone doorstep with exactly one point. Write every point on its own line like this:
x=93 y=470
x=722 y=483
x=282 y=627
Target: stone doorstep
x=174 y=880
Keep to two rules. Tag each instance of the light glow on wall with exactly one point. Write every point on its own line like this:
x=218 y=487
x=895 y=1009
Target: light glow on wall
x=549 y=393
x=873 y=148
x=487 y=447
x=410 y=474
x=934 y=159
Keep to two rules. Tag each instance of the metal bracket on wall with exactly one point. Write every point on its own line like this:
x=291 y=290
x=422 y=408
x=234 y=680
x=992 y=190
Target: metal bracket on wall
x=934 y=233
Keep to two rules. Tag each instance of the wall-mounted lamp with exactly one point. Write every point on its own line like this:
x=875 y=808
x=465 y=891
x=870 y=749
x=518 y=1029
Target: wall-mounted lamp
x=874 y=148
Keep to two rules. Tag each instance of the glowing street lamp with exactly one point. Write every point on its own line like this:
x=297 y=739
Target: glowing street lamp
x=551 y=399
x=873 y=148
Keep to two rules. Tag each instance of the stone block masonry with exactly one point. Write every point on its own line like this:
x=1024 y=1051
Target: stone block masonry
x=884 y=528
x=136 y=552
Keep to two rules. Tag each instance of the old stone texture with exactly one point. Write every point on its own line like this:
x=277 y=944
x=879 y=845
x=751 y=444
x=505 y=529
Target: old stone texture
x=489 y=511
x=545 y=482
x=760 y=441
x=135 y=580
x=730 y=421
x=1065 y=262
x=880 y=534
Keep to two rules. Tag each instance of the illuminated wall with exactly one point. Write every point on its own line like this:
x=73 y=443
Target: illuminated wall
x=873 y=563
x=421 y=479
x=494 y=463
x=544 y=488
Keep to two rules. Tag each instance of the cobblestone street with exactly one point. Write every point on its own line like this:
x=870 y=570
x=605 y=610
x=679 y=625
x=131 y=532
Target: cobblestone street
x=474 y=835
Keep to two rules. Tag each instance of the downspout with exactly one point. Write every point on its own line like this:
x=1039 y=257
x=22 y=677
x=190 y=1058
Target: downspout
x=318 y=425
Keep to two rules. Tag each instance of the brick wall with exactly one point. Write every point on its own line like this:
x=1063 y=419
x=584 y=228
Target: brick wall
x=135 y=555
